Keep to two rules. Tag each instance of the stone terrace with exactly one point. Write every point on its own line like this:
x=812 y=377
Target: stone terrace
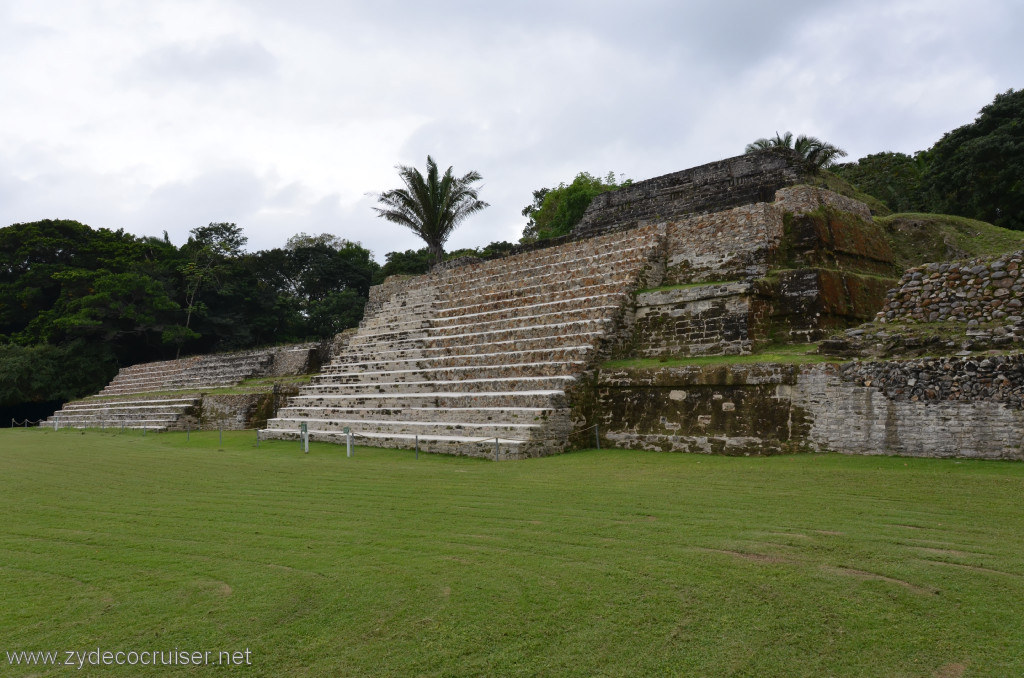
x=476 y=353
x=124 y=403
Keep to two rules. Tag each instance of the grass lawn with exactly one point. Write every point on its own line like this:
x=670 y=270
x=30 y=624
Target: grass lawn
x=596 y=563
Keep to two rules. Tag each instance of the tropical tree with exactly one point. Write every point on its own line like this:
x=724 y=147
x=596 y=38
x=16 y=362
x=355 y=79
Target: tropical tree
x=894 y=178
x=977 y=170
x=817 y=154
x=555 y=211
x=431 y=206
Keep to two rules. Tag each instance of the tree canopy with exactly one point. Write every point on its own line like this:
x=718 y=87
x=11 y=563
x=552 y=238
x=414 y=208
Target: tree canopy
x=555 y=211
x=431 y=206
x=894 y=178
x=977 y=170
x=77 y=302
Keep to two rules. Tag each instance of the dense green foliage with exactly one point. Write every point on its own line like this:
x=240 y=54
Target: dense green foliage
x=610 y=563
x=974 y=171
x=555 y=211
x=893 y=178
x=77 y=302
x=977 y=170
x=431 y=206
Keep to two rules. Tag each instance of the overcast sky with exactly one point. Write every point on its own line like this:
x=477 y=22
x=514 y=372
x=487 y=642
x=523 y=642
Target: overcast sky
x=285 y=116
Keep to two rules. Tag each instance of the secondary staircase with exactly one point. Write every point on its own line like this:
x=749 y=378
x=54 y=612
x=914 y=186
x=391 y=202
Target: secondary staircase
x=159 y=395
x=479 y=356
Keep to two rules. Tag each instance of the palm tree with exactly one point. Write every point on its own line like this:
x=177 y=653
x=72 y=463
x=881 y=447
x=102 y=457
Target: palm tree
x=431 y=206
x=816 y=153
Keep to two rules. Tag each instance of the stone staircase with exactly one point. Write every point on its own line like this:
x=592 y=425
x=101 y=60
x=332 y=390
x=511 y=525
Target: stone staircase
x=154 y=414
x=478 y=356
x=160 y=395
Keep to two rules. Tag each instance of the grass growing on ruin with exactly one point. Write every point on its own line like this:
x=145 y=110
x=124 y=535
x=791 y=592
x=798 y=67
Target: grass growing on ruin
x=777 y=353
x=919 y=238
x=595 y=563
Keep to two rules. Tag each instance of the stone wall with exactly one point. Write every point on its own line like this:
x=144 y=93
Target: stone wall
x=296 y=359
x=392 y=285
x=864 y=420
x=713 y=187
x=948 y=409
x=236 y=412
x=979 y=379
x=972 y=292
x=724 y=318
x=714 y=410
x=728 y=245
x=802 y=199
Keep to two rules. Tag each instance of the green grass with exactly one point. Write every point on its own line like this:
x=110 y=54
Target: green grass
x=920 y=238
x=609 y=563
x=779 y=353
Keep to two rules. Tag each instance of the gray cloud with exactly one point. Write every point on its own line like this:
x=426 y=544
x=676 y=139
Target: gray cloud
x=282 y=118
x=210 y=61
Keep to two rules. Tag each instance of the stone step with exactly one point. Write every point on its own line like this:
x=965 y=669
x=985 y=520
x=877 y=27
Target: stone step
x=513 y=295
x=526 y=320
x=537 y=369
x=481 y=348
x=611 y=299
x=518 y=286
x=128 y=426
x=538 y=296
x=566 y=354
x=543 y=399
x=497 y=271
x=558 y=330
x=517 y=321
x=479 y=415
x=437 y=386
x=512 y=431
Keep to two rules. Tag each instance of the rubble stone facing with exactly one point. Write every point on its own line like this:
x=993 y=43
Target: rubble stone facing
x=729 y=245
x=972 y=292
x=990 y=379
x=710 y=319
x=803 y=199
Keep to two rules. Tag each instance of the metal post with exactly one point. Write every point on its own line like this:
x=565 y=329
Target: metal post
x=188 y=431
x=597 y=437
x=348 y=444
x=305 y=442
x=495 y=449
x=221 y=429
x=417 y=446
